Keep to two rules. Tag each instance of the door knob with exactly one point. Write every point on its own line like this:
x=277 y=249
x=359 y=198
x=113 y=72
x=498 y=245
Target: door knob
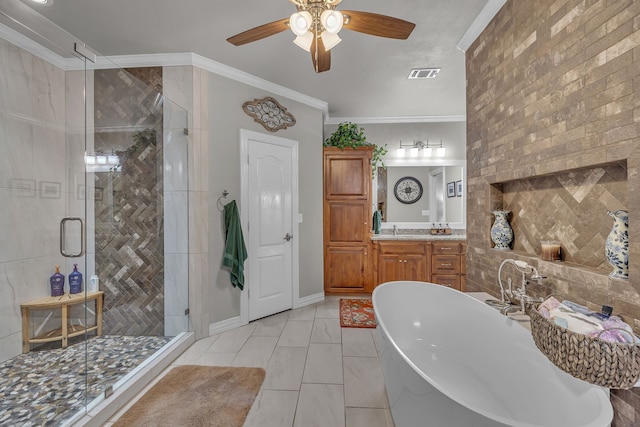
x=288 y=237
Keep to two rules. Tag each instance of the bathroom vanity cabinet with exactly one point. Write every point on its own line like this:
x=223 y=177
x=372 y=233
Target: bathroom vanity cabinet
x=347 y=219
x=403 y=261
x=441 y=262
x=448 y=266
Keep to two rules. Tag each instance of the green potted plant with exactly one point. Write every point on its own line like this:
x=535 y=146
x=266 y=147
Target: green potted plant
x=349 y=135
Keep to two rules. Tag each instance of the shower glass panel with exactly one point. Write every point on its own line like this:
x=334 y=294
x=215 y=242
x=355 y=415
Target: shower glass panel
x=93 y=175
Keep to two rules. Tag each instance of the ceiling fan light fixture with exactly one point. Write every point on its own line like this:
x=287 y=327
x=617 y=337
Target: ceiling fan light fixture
x=304 y=41
x=300 y=22
x=332 y=21
x=330 y=40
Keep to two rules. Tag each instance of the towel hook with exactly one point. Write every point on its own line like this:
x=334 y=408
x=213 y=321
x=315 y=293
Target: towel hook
x=219 y=202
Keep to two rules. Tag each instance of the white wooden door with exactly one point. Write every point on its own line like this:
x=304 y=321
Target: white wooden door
x=270 y=227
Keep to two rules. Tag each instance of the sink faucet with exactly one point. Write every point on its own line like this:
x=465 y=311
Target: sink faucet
x=395 y=230
x=518 y=294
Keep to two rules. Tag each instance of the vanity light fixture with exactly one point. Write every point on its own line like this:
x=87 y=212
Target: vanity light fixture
x=428 y=149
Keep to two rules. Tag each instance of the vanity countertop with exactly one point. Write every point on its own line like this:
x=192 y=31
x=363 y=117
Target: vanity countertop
x=420 y=237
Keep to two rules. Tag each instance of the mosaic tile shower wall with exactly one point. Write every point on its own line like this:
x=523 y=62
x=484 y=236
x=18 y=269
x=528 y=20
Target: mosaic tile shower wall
x=129 y=203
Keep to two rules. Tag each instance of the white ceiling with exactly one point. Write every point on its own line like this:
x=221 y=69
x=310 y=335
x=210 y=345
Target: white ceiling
x=368 y=75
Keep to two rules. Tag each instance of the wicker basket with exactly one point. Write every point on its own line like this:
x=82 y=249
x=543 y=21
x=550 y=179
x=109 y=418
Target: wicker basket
x=605 y=363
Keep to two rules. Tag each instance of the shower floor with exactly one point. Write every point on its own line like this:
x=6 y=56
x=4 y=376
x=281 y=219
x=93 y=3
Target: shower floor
x=46 y=387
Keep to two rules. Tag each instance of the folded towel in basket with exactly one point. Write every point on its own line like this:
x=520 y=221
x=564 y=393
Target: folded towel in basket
x=576 y=322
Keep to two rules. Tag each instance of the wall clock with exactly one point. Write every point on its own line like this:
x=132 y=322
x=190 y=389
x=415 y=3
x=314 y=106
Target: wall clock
x=408 y=190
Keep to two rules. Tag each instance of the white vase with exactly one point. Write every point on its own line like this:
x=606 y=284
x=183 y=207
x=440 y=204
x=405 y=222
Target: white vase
x=501 y=232
x=617 y=245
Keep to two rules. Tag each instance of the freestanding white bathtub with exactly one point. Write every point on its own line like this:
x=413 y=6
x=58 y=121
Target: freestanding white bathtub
x=450 y=360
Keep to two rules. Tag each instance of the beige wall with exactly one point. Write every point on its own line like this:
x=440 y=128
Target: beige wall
x=552 y=101
x=226 y=118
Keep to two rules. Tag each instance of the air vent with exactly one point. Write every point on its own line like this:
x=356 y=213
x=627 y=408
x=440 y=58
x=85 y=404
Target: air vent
x=424 y=73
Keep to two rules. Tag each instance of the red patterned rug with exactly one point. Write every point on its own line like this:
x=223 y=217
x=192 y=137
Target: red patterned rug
x=357 y=313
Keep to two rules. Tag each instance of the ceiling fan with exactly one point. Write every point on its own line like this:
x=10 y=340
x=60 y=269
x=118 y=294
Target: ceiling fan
x=317 y=23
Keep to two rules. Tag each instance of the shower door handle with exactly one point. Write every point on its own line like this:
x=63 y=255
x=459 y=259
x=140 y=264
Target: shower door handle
x=63 y=235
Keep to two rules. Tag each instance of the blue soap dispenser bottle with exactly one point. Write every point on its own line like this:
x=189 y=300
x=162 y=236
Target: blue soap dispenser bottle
x=57 y=283
x=75 y=281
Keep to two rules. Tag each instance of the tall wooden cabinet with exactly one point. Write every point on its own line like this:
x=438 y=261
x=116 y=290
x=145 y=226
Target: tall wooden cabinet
x=347 y=219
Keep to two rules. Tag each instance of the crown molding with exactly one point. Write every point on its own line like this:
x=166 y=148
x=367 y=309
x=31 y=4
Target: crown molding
x=192 y=59
x=480 y=23
x=401 y=119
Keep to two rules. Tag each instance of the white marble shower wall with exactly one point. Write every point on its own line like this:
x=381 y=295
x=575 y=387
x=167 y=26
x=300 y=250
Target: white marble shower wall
x=176 y=219
x=34 y=186
x=187 y=201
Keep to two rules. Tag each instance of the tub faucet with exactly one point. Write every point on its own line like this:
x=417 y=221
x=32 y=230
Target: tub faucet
x=515 y=295
x=395 y=230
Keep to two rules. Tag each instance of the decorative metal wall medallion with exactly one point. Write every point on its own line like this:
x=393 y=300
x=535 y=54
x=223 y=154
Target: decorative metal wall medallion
x=269 y=113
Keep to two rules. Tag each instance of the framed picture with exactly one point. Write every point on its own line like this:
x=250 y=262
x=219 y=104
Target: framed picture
x=459 y=188
x=50 y=190
x=23 y=187
x=451 y=189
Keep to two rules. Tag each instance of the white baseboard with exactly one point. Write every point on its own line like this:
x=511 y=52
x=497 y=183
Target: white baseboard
x=224 y=325
x=310 y=299
x=236 y=322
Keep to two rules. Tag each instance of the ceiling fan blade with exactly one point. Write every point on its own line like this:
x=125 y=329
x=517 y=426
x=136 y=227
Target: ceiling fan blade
x=320 y=57
x=260 y=32
x=377 y=25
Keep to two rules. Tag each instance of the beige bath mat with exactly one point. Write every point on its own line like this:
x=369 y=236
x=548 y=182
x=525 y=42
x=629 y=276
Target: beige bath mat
x=197 y=396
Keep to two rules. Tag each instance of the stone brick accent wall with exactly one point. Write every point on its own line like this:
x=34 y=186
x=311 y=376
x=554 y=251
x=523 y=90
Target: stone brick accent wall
x=553 y=92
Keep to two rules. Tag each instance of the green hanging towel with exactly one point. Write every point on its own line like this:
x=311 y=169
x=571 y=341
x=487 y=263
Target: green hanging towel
x=377 y=222
x=235 y=252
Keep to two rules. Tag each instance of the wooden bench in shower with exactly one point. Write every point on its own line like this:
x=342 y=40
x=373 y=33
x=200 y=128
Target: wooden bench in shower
x=66 y=330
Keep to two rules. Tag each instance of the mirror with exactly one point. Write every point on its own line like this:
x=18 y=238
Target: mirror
x=418 y=195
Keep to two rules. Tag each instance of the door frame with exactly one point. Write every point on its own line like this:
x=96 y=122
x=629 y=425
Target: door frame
x=432 y=194
x=245 y=136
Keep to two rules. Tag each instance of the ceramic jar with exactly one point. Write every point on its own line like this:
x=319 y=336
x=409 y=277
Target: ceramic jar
x=617 y=245
x=501 y=232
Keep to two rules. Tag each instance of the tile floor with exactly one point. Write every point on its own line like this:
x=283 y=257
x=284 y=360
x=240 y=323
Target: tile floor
x=318 y=374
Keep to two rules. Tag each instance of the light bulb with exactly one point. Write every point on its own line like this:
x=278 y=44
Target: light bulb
x=332 y=21
x=427 y=152
x=300 y=22
x=413 y=152
x=440 y=151
x=90 y=160
x=400 y=152
x=102 y=160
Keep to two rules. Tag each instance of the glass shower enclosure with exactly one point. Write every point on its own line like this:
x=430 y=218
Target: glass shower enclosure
x=93 y=177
